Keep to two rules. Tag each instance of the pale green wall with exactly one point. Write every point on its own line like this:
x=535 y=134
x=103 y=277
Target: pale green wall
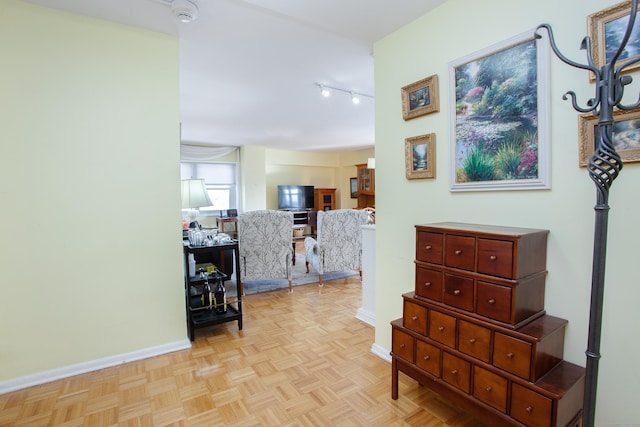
x=90 y=254
x=252 y=178
x=425 y=47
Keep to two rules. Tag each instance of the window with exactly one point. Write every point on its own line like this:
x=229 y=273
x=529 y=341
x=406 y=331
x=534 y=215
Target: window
x=220 y=181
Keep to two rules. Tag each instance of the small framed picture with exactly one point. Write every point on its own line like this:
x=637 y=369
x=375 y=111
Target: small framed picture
x=606 y=28
x=626 y=136
x=420 y=156
x=420 y=98
x=353 y=182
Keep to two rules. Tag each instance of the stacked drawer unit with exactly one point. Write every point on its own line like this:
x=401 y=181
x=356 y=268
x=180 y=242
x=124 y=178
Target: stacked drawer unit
x=475 y=330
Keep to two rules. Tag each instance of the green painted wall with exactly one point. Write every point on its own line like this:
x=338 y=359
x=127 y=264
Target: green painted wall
x=90 y=255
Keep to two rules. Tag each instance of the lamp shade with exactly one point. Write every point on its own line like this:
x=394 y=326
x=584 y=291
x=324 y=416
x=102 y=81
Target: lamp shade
x=194 y=194
x=371 y=163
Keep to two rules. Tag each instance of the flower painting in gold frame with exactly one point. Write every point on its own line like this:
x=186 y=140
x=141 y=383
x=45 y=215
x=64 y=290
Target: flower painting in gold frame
x=420 y=98
x=420 y=156
x=606 y=29
x=626 y=135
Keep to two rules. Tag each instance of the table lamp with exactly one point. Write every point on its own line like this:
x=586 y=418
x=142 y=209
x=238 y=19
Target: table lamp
x=194 y=195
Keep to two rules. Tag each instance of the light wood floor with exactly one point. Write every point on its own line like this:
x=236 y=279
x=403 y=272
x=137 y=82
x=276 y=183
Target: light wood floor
x=302 y=359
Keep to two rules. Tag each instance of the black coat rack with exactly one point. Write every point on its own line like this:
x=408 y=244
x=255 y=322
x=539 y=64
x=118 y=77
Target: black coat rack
x=604 y=166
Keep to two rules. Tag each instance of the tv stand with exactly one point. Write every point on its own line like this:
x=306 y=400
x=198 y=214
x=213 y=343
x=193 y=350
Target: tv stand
x=300 y=217
x=301 y=220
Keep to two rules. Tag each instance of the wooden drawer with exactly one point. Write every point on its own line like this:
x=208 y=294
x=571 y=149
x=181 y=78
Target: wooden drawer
x=494 y=301
x=442 y=328
x=529 y=407
x=456 y=371
x=506 y=252
x=490 y=388
x=415 y=317
x=428 y=358
x=474 y=340
x=512 y=354
x=429 y=247
x=458 y=291
x=459 y=252
x=429 y=283
x=495 y=258
x=402 y=344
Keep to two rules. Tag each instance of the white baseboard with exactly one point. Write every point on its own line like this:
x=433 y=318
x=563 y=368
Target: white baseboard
x=92 y=365
x=381 y=352
x=366 y=316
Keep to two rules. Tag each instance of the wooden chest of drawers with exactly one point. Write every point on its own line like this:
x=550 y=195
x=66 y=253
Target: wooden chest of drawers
x=495 y=272
x=475 y=329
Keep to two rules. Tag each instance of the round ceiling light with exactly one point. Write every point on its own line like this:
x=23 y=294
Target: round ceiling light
x=185 y=10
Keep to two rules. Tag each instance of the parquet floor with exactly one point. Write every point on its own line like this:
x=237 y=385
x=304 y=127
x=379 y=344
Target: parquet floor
x=302 y=359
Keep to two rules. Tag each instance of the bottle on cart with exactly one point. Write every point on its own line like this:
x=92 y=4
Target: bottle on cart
x=192 y=265
x=220 y=296
x=207 y=295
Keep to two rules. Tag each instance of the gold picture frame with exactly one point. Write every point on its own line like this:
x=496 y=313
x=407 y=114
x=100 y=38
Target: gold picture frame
x=626 y=136
x=420 y=98
x=420 y=156
x=610 y=24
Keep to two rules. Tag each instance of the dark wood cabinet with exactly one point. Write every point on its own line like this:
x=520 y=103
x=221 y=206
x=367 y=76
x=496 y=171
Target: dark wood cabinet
x=475 y=330
x=324 y=199
x=366 y=186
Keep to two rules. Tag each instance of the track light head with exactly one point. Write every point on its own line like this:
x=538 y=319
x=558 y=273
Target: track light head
x=355 y=97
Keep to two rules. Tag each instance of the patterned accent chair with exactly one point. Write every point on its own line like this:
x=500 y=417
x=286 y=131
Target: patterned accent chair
x=265 y=245
x=339 y=244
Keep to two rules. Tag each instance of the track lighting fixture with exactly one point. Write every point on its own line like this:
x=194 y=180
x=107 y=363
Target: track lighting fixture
x=355 y=96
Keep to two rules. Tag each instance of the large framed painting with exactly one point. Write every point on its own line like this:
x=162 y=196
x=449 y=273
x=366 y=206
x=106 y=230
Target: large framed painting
x=626 y=136
x=420 y=156
x=606 y=28
x=500 y=117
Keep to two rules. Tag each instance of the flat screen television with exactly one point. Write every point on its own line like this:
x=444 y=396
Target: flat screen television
x=295 y=197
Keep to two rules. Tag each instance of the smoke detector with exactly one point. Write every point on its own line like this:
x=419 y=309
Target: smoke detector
x=185 y=10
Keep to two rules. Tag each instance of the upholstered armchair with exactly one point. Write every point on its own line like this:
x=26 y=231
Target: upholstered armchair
x=265 y=245
x=339 y=243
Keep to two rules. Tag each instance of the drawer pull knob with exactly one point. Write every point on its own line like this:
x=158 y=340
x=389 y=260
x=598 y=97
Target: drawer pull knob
x=414 y=318
x=458 y=252
x=454 y=372
x=492 y=301
x=457 y=292
x=427 y=357
x=427 y=284
x=441 y=328
x=488 y=389
x=472 y=340
x=510 y=355
x=529 y=409
x=493 y=257
x=401 y=345
x=428 y=247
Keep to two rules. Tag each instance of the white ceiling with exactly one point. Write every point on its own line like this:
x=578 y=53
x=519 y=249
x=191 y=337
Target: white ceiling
x=248 y=67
